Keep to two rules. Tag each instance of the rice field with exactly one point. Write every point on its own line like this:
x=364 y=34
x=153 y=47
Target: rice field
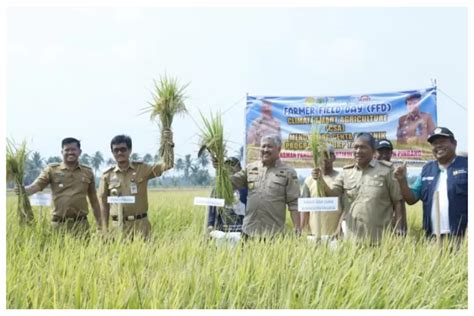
x=180 y=268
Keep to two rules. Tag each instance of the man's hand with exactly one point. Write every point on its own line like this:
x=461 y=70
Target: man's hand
x=215 y=163
x=209 y=229
x=316 y=173
x=19 y=190
x=400 y=172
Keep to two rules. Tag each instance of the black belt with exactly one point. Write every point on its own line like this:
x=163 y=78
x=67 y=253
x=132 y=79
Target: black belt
x=59 y=219
x=130 y=217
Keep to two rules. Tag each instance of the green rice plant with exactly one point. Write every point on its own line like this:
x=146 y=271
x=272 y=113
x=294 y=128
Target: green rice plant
x=179 y=269
x=212 y=140
x=319 y=150
x=168 y=100
x=16 y=163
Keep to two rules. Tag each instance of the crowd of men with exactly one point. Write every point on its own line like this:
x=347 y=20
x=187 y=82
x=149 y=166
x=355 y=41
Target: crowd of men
x=372 y=192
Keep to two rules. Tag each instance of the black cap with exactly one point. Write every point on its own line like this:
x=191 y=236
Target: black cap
x=440 y=132
x=232 y=161
x=383 y=143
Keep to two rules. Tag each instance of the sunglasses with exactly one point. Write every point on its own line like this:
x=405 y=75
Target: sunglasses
x=117 y=150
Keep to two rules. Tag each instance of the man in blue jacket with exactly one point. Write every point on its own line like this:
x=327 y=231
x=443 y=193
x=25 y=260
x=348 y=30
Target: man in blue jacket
x=231 y=218
x=447 y=175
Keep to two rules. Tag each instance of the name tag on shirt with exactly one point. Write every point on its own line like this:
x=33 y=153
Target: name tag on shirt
x=126 y=199
x=133 y=188
x=321 y=204
x=427 y=179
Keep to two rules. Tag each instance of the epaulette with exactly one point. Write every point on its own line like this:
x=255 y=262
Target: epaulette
x=108 y=170
x=54 y=164
x=137 y=161
x=85 y=166
x=348 y=166
x=386 y=163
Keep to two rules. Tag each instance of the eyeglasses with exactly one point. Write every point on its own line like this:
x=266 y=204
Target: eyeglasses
x=117 y=150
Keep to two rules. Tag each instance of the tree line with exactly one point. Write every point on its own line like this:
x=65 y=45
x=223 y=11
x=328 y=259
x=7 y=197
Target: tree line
x=189 y=171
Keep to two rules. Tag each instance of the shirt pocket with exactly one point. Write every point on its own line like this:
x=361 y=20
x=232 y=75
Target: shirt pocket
x=374 y=188
x=351 y=190
x=139 y=182
x=277 y=186
x=252 y=182
x=86 y=181
x=461 y=185
x=57 y=181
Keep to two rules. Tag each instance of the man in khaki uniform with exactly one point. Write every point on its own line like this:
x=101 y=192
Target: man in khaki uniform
x=414 y=127
x=323 y=223
x=128 y=178
x=263 y=125
x=271 y=186
x=71 y=183
x=371 y=189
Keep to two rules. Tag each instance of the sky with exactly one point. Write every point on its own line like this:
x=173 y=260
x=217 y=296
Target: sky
x=88 y=72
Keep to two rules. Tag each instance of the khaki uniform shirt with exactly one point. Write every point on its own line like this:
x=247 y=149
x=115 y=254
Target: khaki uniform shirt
x=270 y=189
x=373 y=193
x=261 y=127
x=414 y=128
x=69 y=188
x=137 y=175
x=322 y=223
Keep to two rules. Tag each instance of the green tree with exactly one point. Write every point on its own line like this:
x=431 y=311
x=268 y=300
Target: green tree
x=85 y=159
x=203 y=160
x=134 y=157
x=179 y=165
x=148 y=158
x=110 y=162
x=54 y=159
x=187 y=165
x=96 y=161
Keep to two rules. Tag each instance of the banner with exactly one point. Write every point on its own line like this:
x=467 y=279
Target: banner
x=405 y=118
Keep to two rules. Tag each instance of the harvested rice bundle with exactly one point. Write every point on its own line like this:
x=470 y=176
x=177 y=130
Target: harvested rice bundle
x=212 y=139
x=168 y=100
x=16 y=163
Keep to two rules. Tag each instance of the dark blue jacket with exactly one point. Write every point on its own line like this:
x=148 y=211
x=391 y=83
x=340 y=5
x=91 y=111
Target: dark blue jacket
x=228 y=222
x=457 y=194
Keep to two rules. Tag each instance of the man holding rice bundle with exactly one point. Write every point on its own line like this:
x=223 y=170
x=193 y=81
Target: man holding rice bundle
x=129 y=179
x=71 y=182
x=372 y=191
x=271 y=186
x=327 y=223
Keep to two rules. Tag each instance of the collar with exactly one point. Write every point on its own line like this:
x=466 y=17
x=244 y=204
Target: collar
x=130 y=166
x=277 y=164
x=449 y=164
x=371 y=164
x=63 y=166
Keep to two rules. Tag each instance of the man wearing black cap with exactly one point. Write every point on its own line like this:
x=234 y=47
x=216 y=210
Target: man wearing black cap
x=384 y=151
x=446 y=175
x=414 y=127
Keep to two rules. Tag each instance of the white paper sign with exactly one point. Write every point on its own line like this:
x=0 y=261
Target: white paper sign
x=40 y=199
x=126 y=199
x=321 y=204
x=209 y=201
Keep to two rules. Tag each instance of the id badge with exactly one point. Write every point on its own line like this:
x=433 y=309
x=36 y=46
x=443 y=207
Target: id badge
x=133 y=188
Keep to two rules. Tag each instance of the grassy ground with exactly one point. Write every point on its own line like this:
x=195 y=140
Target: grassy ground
x=180 y=268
